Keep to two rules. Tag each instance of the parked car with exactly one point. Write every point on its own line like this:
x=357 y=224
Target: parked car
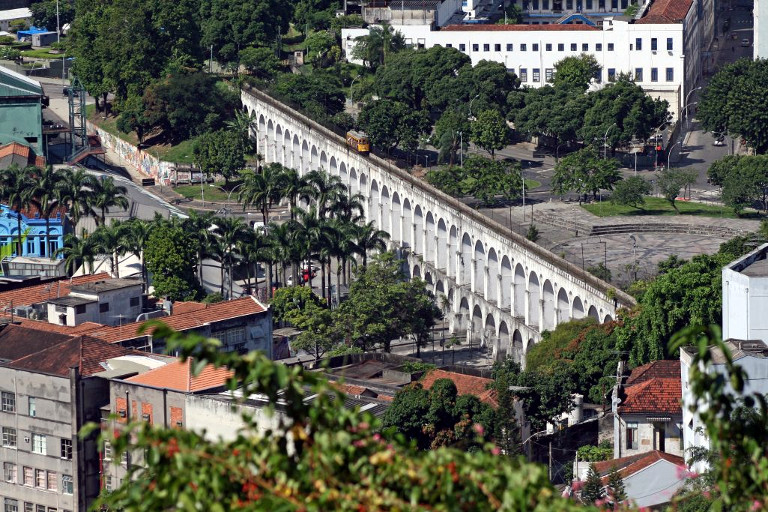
x=745 y=42
x=719 y=142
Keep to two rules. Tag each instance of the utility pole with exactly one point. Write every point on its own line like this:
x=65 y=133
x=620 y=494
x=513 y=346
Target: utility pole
x=550 y=461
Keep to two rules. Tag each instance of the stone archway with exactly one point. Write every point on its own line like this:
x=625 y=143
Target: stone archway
x=577 y=309
x=478 y=285
x=548 y=306
x=442 y=245
x=593 y=313
x=534 y=295
x=563 y=307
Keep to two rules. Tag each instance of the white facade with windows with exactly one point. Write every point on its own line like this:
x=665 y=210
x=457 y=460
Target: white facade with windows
x=653 y=54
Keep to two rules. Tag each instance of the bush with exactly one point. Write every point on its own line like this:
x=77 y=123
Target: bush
x=533 y=233
x=213 y=298
x=591 y=453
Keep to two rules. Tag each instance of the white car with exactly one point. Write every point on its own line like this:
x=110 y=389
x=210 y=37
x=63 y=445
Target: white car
x=719 y=142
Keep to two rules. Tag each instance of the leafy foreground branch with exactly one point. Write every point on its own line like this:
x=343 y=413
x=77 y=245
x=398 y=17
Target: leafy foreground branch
x=320 y=457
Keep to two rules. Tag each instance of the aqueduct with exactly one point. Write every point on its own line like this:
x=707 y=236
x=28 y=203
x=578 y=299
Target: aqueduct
x=501 y=288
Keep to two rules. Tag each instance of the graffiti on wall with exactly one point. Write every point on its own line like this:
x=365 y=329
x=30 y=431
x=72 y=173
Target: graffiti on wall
x=142 y=161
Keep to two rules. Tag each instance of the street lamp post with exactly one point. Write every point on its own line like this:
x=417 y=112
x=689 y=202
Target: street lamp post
x=669 y=153
x=605 y=141
x=470 y=105
x=686 y=99
x=687 y=117
x=522 y=175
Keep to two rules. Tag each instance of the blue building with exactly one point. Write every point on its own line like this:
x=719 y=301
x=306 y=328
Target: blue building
x=35 y=242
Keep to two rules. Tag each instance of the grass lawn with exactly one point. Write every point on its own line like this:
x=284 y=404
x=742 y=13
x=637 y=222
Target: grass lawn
x=531 y=184
x=660 y=206
x=213 y=192
x=41 y=53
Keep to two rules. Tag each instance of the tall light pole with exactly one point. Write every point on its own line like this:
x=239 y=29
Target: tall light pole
x=686 y=99
x=461 y=148
x=470 y=105
x=605 y=141
x=522 y=175
x=687 y=118
x=669 y=154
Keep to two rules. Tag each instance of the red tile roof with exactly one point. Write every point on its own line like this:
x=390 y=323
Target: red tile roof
x=654 y=396
x=14 y=148
x=17 y=341
x=630 y=465
x=665 y=369
x=188 y=316
x=84 y=352
x=465 y=385
x=666 y=11
x=552 y=27
x=178 y=376
x=42 y=292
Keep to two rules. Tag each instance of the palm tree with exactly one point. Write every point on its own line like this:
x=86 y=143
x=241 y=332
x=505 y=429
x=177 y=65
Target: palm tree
x=347 y=208
x=136 y=233
x=109 y=240
x=198 y=227
x=77 y=251
x=15 y=188
x=248 y=249
x=229 y=231
x=380 y=42
x=261 y=189
x=106 y=194
x=368 y=238
x=242 y=124
x=45 y=184
x=75 y=190
x=293 y=186
x=325 y=189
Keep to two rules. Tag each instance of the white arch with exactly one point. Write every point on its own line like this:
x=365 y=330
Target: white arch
x=430 y=245
x=478 y=286
x=577 y=309
x=563 y=307
x=548 y=306
x=407 y=240
x=593 y=313
x=453 y=251
x=397 y=217
x=534 y=306
x=386 y=214
x=442 y=245
x=418 y=230
x=465 y=262
x=506 y=284
x=494 y=276
x=517 y=347
x=519 y=292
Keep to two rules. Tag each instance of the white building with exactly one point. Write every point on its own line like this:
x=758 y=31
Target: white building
x=760 y=43
x=745 y=297
x=9 y=16
x=661 y=47
x=107 y=302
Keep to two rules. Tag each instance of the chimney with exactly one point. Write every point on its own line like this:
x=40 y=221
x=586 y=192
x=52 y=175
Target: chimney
x=168 y=307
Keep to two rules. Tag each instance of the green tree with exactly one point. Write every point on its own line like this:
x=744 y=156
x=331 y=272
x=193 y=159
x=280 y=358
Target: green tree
x=109 y=240
x=721 y=169
x=133 y=118
x=220 y=152
x=490 y=131
x=322 y=48
x=380 y=42
x=78 y=251
x=76 y=191
x=319 y=94
x=45 y=184
x=385 y=122
x=260 y=62
x=479 y=177
x=732 y=102
x=593 y=487
x=576 y=71
x=513 y=15
x=617 y=490
x=556 y=112
x=672 y=181
x=172 y=258
x=745 y=182
x=450 y=130
x=46 y=13
x=600 y=271
x=253 y=471
x=105 y=194
x=230 y=231
x=583 y=172
x=631 y=192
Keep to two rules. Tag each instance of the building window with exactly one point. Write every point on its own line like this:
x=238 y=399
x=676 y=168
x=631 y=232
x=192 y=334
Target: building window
x=40 y=478
x=561 y=47
x=29 y=477
x=638 y=43
x=585 y=47
x=40 y=508
x=598 y=76
x=574 y=47
x=669 y=44
x=108 y=483
x=523 y=47
x=462 y=47
x=475 y=47
x=39 y=444
x=486 y=47
x=53 y=481
x=654 y=74
x=134 y=301
x=11 y=505
x=107 y=451
x=124 y=459
x=535 y=47
x=670 y=74
x=549 y=74
x=611 y=74
x=589 y=5
x=9 y=437
x=569 y=5
x=9 y=401
x=80 y=309
x=104 y=307
x=631 y=436
x=32 y=408
x=29 y=507
x=610 y=47
x=548 y=47
x=598 y=47
x=535 y=5
x=448 y=45
x=66 y=449
x=67 y=485
x=9 y=472
x=654 y=44
x=638 y=74
x=497 y=47
x=536 y=74
x=545 y=4
x=523 y=75
x=510 y=46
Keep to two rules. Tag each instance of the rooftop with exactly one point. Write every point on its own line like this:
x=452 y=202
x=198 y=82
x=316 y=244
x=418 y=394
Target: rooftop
x=104 y=285
x=465 y=385
x=656 y=396
x=739 y=350
x=71 y=301
x=15 y=84
x=518 y=28
x=665 y=368
x=630 y=465
x=15 y=14
x=37 y=293
x=17 y=341
x=178 y=376
x=83 y=352
x=666 y=11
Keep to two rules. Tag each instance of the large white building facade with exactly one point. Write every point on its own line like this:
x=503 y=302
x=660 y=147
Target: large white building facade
x=662 y=47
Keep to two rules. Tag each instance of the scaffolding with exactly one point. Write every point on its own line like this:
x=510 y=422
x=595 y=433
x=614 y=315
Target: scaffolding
x=77 y=127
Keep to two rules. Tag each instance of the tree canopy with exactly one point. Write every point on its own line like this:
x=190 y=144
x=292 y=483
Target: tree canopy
x=479 y=177
x=585 y=172
x=172 y=258
x=576 y=71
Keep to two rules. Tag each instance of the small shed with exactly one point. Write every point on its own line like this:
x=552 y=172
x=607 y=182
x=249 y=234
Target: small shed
x=44 y=38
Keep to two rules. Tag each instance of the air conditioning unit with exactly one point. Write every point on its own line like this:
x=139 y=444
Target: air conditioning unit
x=121 y=413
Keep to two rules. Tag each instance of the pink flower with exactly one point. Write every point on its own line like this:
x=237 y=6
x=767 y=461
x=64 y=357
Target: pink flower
x=359 y=443
x=496 y=450
x=577 y=485
x=756 y=505
x=478 y=428
x=363 y=426
x=377 y=437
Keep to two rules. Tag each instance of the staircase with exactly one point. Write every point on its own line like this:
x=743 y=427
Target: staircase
x=93 y=148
